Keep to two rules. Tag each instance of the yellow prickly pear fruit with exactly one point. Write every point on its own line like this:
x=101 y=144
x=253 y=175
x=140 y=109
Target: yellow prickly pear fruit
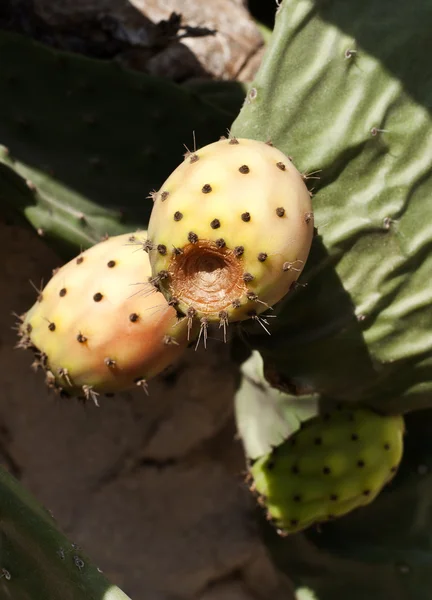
x=99 y=325
x=230 y=231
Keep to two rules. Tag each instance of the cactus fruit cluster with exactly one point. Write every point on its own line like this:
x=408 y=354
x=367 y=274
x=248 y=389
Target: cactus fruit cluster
x=334 y=463
x=230 y=231
x=99 y=325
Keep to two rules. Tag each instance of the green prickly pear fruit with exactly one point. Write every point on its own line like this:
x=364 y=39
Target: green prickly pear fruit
x=99 y=325
x=333 y=464
x=230 y=231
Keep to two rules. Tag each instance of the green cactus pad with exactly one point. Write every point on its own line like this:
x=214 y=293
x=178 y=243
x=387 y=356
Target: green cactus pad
x=99 y=325
x=83 y=141
x=37 y=561
x=345 y=89
x=335 y=463
x=231 y=228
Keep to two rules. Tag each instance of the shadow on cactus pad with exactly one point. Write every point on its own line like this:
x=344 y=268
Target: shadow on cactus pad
x=346 y=90
x=83 y=142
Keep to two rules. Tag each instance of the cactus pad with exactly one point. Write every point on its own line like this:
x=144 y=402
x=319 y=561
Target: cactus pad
x=230 y=230
x=333 y=464
x=346 y=89
x=99 y=325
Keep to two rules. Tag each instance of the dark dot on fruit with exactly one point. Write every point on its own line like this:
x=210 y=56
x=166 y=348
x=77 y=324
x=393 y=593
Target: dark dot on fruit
x=164 y=196
x=366 y=492
x=295 y=470
x=238 y=251
x=79 y=260
x=393 y=470
x=215 y=224
x=326 y=470
x=192 y=237
x=133 y=317
x=247 y=277
x=318 y=441
x=293 y=441
x=297 y=498
x=178 y=216
x=233 y=141
x=280 y=211
x=62 y=292
x=194 y=158
x=333 y=497
x=326 y=416
x=51 y=326
x=206 y=189
x=262 y=256
x=246 y=217
x=244 y=169
x=111 y=264
x=294 y=522
x=281 y=166
x=236 y=303
x=354 y=437
x=162 y=249
x=360 y=463
x=97 y=297
x=270 y=465
x=386 y=446
x=81 y=338
x=220 y=243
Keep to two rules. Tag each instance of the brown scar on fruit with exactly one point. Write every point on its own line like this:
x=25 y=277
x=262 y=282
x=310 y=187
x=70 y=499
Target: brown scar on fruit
x=207 y=277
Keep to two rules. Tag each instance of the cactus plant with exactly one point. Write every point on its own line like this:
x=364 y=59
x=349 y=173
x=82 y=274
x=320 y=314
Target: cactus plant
x=83 y=141
x=356 y=110
x=208 y=231
x=335 y=463
x=99 y=325
x=383 y=550
x=37 y=561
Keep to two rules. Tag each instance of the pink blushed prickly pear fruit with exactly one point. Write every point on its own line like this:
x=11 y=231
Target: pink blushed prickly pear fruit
x=230 y=231
x=99 y=325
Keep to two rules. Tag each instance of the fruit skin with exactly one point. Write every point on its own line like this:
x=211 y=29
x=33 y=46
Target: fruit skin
x=99 y=325
x=335 y=463
x=235 y=218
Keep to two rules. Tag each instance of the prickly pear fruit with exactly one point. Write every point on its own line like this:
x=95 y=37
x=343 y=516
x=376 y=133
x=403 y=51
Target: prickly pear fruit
x=99 y=325
x=230 y=231
x=333 y=464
